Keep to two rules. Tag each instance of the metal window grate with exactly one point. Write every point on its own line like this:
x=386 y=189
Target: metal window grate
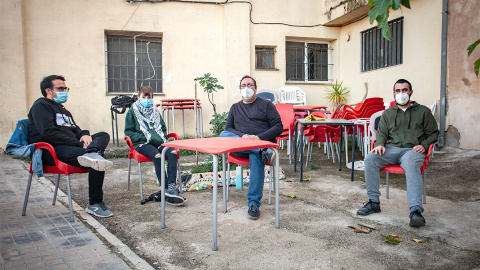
x=131 y=63
x=306 y=61
x=377 y=52
x=265 y=57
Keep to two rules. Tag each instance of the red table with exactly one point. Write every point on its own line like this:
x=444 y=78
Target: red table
x=215 y=146
x=181 y=104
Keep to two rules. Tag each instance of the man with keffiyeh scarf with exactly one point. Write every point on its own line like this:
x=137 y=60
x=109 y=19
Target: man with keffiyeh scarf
x=146 y=128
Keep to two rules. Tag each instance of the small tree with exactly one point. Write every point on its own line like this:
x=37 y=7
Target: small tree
x=336 y=94
x=210 y=86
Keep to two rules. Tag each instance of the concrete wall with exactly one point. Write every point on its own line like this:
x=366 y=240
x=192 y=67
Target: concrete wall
x=463 y=92
x=421 y=56
x=67 y=38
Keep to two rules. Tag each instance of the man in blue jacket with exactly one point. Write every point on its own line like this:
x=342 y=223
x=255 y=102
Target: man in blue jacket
x=403 y=137
x=49 y=121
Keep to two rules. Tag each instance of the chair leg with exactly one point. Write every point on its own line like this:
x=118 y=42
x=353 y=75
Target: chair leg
x=424 y=176
x=179 y=174
x=56 y=189
x=27 y=193
x=228 y=178
x=269 y=184
x=140 y=176
x=241 y=175
x=388 y=182
x=70 y=206
x=128 y=179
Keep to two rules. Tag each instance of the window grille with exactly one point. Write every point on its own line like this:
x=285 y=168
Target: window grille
x=377 y=52
x=307 y=61
x=264 y=57
x=133 y=62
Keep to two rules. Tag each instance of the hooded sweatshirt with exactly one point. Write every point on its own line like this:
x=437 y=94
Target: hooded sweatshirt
x=415 y=126
x=49 y=121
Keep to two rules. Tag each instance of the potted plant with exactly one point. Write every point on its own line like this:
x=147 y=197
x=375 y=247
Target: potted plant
x=336 y=94
x=210 y=86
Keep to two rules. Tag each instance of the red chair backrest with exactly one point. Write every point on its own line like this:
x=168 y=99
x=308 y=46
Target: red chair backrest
x=287 y=114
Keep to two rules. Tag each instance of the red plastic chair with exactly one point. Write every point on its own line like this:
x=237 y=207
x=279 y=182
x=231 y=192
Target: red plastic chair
x=329 y=135
x=399 y=170
x=288 y=120
x=232 y=159
x=60 y=168
x=133 y=154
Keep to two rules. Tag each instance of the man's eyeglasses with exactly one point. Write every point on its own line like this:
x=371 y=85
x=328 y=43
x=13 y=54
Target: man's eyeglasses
x=247 y=85
x=62 y=89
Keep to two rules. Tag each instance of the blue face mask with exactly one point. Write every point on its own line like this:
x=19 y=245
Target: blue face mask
x=146 y=102
x=61 y=97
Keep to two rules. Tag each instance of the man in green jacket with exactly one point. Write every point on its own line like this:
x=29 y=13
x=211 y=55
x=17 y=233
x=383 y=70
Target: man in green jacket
x=404 y=135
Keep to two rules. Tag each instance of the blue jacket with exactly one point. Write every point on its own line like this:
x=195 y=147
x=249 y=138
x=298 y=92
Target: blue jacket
x=18 y=146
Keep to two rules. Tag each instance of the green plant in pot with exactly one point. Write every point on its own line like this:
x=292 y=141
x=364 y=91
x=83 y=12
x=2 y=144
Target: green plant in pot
x=336 y=94
x=210 y=86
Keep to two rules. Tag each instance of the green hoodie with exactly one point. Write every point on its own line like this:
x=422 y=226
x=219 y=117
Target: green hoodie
x=132 y=129
x=415 y=126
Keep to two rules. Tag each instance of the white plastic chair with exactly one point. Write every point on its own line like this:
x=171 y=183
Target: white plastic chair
x=293 y=95
x=433 y=106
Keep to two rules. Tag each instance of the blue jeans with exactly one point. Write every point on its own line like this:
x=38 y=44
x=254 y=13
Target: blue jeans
x=409 y=160
x=257 y=171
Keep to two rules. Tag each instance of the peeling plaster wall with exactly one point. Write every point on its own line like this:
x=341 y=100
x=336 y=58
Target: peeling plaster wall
x=463 y=92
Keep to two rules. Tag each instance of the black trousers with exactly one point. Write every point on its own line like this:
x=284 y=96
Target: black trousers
x=68 y=154
x=151 y=151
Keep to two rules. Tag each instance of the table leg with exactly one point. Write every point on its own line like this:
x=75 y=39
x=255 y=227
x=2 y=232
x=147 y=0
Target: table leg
x=162 y=181
x=116 y=126
x=215 y=189
x=225 y=184
x=295 y=138
x=277 y=189
x=353 y=153
x=301 y=154
x=341 y=145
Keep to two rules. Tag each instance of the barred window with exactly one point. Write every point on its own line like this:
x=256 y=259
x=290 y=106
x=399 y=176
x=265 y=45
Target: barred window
x=306 y=61
x=377 y=52
x=133 y=62
x=264 y=57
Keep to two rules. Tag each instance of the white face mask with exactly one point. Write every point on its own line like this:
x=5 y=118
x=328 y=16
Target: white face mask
x=402 y=99
x=247 y=93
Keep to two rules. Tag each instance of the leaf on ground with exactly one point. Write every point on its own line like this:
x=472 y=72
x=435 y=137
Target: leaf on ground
x=417 y=240
x=288 y=180
x=360 y=230
x=291 y=196
x=113 y=223
x=391 y=240
x=308 y=179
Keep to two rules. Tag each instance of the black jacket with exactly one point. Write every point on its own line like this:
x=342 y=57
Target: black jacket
x=49 y=121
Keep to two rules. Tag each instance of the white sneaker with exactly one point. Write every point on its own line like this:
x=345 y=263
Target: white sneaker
x=95 y=161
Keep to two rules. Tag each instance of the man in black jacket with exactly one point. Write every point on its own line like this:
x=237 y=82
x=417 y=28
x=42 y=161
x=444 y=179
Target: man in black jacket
x=49 y=121
x=254 y=118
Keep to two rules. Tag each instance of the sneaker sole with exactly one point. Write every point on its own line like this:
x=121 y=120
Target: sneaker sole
x=417 y=223
x=95 y=214
x=366 y=214
x=254 y=218
x=175 y=200
x=98 y=165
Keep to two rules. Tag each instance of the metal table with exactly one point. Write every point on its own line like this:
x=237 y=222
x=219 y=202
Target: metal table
x=215 y=146
x=331 y=122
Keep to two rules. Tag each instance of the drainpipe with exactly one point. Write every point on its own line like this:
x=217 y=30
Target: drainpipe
x=443 y=75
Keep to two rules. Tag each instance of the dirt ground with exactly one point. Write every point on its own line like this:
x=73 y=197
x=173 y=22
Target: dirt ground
x=314 y=232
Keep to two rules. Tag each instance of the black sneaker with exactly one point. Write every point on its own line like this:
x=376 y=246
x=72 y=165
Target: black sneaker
x=253 y=212
x=268 y=155
x=369 y=208
x=416 y=219
x=172 y=197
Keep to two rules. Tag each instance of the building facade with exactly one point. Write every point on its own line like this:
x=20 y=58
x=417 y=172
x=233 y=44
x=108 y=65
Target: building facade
x=110 y=47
